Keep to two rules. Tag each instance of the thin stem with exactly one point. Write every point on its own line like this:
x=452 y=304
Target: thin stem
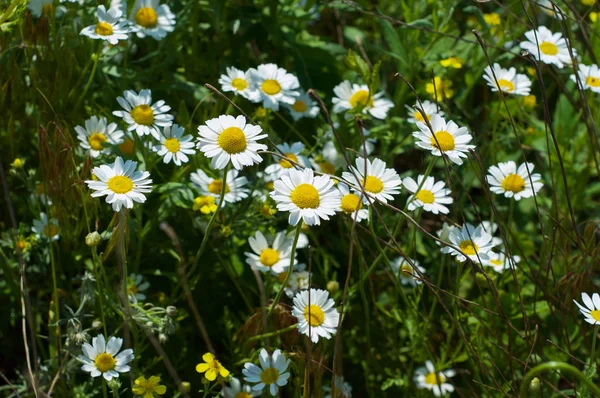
x=89 y=82
x=553 y=366
x=274 y=333
x=593 y=353
x=289 y=273
x=56 y=330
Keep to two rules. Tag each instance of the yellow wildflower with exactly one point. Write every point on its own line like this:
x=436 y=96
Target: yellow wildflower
x=529 y=101
x=18 y=163
x=205 y=204
x=212 y=367
x=452 y=62
x=588 y=2
x=492 y=19
x=593 y=16
x=443 y=88
x=148 y=387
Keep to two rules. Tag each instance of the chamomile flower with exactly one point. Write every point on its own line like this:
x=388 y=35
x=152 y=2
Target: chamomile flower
x=272 y=372
x=303 y=107
x=511 y=181
x=100 y=358
x=148 y=387
x=45 y=228
x=427 y=378
x=408 y=276
x=237 y=390
x=282 y=166
x=150 y=18
x=226 y=139
x=318 y=311
x=238 y=82
x=444 y=233
x=211 y=367
x=351 y=204
x=432 y=196
x=306 y=197
x=174 y=145
x=299 y=280
x=120 y=183
x=447 y=138
x=274 y=86
x=475 y=243
x=549 y=9
x=589 y=76
x=430 y=109
x=270 y=255
x=44 y=8
x=96 y=136
x=548 y=47
x=341 y=389
x=591 y=311
x=379 y=182
x=491 y=228
x=110 y=26
x=141 y=116
x=329 y=160
x=136 y=286
x=352 y=96
x=509 y=81
x=234 y=191
x=499 y=262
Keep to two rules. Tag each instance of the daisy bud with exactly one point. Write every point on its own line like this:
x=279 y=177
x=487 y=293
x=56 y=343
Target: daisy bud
x=162 y=338
x=96 y=324
x=534 y=385
x=93 y=239
x=171 y=310
x=114 y=385
x=185 y=386
x=333 y=286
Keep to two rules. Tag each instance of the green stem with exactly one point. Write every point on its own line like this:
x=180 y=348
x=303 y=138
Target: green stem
x=291 y=127
x=290 y=269
x=97 y=264
x=89 y=82
x=55 y=298
x=550 y=366
x=593 y=353
x=272 y=334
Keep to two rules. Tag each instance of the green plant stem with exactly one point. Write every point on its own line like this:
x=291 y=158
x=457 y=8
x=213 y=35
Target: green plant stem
x=290 y=269
x=593 y=353
x=97 y=264
x=274 y=333
x=56 y=330
x=550 y=366
x=291 y=127
x=89 y=82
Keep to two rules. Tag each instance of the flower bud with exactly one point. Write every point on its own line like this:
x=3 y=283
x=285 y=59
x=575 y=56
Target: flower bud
x=534 y=385
x=97 y=324
x=171 y=311
x=185 y=386
x=93 y=239
x=333 y=286
x=162 y=338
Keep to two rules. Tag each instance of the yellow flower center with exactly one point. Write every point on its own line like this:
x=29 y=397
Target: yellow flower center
x=120 y=184
x=406 y=270
x=432 y=378
x=126 y=146
x=206 y=204
x=105 y=362
x=97 y=141
x=143 y=114
x=419 y=117
x=172 y=145
x=269 y=257
x=104 y=29
x=271 y=87
x=300 y=106
x=269 y=375
x=592 y=81
x=595 y=314
x=548 y=48
x=239 y=84
x=496 y=263
x=468 y=247
x=445 y=140
x=425 y=196
x=22 y=244
x=242 y=394
x=146 y=16
x=286 y=164
x=133 y=289
x=47 y=10
x=513 y=183
x=529 y=101
x=327 y=168
x=305 y=196
x=216 y=186
x=360 y=98
x=270 y=186
x=373 y=184
x=351 y=203
x=317 y=316
x=232 y=140
x=506 y=85
x=50 y=230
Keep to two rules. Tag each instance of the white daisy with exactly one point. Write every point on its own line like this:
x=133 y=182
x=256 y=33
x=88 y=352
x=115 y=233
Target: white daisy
x=101 y=358
x=548 y=47
x=329 y=160
x=274 y=85
x=136 y=286
x=430 y=109
x=306 y=196
x=237 y=390
x=319 y=312
x=270 y=255
x=299 y=280
x=378 y=181
x=357 y=95
x=303 y=106
x=227 y=138
x=447 y=229
x=499 y=262
x=121 y=184
x=427 y=378
x=97 y=134
x=509 y=81
x=433 y=196
x=406 y=272
x=589 y=76
x=591 y=311
x=475 y=243
x=512 y=182
x=45 y=228
x=491 y=228
x=272 y=372
x=548 y=8
x=234 y=191
x=447 y=138
x=150 y=18
x=110 y=26
x=141 y=116
x=238 y=82
x=282 y=166
x=351 y=204
x=174 y=145
x=341 y=389
x=44 y=8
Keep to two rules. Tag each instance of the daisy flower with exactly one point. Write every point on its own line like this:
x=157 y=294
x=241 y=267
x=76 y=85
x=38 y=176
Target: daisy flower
x=238 y=82
x=211 y=367
x=589 y=76
x=97 y=134
x=274 y=85
x=306 y=197
x=234 y=191
x=174 y=145
x=298 y=281
x=237 y=390
x=475 y=243
x=282 y=166
x=499 y=262
x=318 y=312
x=427 y=378
x=46 y=228
x=101 y=357
x=351 y=204
x=150 y=18
x=352 y=96
x=272 y=372
x=406 y=272
x=120 y=183
x=341 y=389
x=491 y=228
x=591 y=311
x=444 y=233
x=329 y=160
x=136 y=286
x=548 y=9
x=447 y=138
x=511 y=181
x=548 y=47
x=142 y=117
x=110 y=26
x=148 y=387
x=270 y=255
x=509 y=81
x=43 y=8
x=433 y=196
x=226 y=138
x=378 y=181
x=430 y=109
x=303 y=106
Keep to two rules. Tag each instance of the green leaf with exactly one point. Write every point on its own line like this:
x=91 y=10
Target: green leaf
x=392 y=38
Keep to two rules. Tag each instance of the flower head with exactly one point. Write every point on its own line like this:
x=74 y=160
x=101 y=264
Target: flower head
x=355 y=96
x=341 y=389
x=238 y=82
x=303 y=106
x=316 y=314
x=589 y=76
x=515 y=182
x=141 y=115
x=136 y=286
x=45 y=228
x=174 y=145
x=273 y=255
x=440 y=89
x=272 y=372
x=282 y=166
x=273 y=86
x=110 y=26
x=430 y=195
x=378 y=181
x=426 y=377
x=475 y=243
x=150 y=18
x=509 y=81
x=100 y=358
x=205 y=204
x=446 y=138
x=452 y=62
x=591 y=311
x=548 y=47
x=235 y=189
x=429 y=108
x=406 y=272
x=148 y=387
x=237 y=390
x=97 y=136
x=351 y=204
x=211 y=367
x=499 y=262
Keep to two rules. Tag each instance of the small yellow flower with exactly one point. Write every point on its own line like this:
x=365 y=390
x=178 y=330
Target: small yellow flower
x=529 y=101
x=22 y=244
x=492 y=19
x=267 y=211
x=588 y=2
x=148 y=387
x=593 y=16
x=205 y=204
x=18 y=163
x=260 y=112
x=531 y=71
x=127 y=145
x=452 y=62
x=212 y=367
x=443 y=88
